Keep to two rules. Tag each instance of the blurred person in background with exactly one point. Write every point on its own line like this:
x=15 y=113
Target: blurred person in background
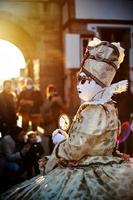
x=34 y=154
x=8 y=116
x=12 y=151
x=28 y=106
x=20 y=84
x=52 y=108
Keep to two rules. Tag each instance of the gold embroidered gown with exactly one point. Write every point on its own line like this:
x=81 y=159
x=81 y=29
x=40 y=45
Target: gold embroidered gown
x=83 y=167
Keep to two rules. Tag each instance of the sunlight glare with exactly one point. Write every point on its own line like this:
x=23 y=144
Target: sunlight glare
x=11 y=60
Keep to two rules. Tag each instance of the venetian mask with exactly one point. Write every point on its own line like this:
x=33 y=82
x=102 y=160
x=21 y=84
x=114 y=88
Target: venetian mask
x=87 y=88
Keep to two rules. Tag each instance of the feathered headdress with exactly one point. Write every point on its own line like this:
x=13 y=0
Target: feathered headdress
x=101 y=62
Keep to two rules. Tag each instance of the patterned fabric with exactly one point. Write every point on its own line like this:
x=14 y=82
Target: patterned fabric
x=100 y=70
x=92 y=133
x=101 y=61
x=96 y=182
x=83 y=167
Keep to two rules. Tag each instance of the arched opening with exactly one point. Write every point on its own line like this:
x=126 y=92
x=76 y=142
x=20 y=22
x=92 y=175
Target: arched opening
x=11 y=60
x=14 y=34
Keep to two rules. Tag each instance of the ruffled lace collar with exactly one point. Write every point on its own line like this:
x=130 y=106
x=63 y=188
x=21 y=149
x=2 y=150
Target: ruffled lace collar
x=105 y=94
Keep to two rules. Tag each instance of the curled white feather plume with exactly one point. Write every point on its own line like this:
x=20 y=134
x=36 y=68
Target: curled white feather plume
x=121 y=52
x=115 y=88
x=94 y=42
x=105 y=95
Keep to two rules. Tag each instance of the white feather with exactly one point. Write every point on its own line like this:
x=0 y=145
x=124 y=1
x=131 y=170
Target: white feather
x=94 y=42
x=106 y=93
x=115 y=88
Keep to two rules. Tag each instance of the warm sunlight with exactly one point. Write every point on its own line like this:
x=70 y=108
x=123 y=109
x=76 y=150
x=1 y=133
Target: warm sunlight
x=11 y=60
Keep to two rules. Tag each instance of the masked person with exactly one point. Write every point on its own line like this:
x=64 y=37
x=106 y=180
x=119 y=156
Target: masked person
x=87 y=164
x=29 y=102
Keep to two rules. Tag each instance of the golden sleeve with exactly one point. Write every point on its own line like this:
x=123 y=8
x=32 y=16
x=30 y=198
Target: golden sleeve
x=85 y=135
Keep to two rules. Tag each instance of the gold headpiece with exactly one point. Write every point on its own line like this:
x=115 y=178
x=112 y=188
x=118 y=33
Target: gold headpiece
x=101 y=61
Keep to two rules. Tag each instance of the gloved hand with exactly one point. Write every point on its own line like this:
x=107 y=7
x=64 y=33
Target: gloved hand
x=42 y=162
x=58 y=135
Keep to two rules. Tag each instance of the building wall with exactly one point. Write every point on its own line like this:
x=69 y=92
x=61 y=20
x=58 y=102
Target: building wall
x=111 y=10
x=35 y=27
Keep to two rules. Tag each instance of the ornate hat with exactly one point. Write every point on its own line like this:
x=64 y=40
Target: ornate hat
x=101 y=61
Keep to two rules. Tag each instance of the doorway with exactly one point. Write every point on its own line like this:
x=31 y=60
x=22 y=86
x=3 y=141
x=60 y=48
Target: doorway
x=124 y=100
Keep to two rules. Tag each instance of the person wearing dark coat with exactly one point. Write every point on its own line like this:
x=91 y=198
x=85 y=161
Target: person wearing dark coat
x=34 y=154
x=28 y=106
x=8 y=116
x=12 y=151
x=51 y=110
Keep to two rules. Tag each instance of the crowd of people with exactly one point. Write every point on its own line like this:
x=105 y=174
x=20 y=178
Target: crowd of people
x=22 y=147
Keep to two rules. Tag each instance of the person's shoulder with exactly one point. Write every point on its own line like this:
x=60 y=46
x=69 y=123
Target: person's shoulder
x=36 y=89
x=23 y=91
x=7 y=138
x=86 y=107
x=2 y=93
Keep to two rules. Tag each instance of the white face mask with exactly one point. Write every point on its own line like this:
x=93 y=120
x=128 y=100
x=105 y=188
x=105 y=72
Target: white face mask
x=29 y=86
x=87 y=88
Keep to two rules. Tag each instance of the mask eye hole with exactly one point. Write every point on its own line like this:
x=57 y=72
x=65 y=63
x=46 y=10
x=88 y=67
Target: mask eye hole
x=83 y=79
